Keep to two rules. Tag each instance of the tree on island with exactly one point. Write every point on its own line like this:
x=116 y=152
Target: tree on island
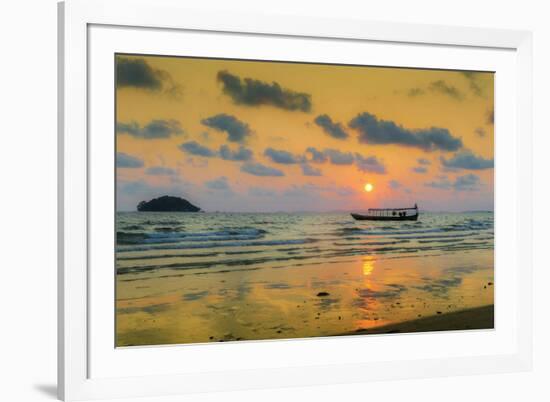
x=167 y=203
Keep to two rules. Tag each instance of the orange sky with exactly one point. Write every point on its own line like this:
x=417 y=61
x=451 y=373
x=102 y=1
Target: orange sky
x=422 y=136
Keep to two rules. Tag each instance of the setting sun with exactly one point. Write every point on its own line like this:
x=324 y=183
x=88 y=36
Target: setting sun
x=368 y=187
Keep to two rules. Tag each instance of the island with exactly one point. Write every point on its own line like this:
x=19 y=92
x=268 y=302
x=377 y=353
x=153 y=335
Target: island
x=167 y=203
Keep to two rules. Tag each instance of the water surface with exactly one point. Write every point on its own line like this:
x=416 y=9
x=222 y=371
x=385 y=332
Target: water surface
x=204 y=277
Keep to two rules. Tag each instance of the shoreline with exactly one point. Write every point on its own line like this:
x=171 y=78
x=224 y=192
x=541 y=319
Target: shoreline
x=472 y=318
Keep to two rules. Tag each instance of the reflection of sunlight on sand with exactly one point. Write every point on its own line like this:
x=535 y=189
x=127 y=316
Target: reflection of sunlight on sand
x=371 y=306
x=368 y=265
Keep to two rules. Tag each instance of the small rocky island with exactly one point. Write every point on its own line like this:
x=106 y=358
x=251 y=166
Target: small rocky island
x=167 y=203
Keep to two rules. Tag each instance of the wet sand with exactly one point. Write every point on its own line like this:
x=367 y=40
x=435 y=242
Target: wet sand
x=473 y=318
x=348 y=296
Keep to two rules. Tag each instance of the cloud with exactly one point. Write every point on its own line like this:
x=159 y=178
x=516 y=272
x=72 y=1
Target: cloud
x=155 y=129
x=337 y=157
x=442 y=87
x=374 y=131
x=282 y=157
x=335 y=130
x=260 y=192
x=313 y=190
x=467 y=160
x=369 y=164
x=257 y=169
x=394 y=184
x=491 y=116
x=441 y=183
x=241 y=154
x=194 y=148
x=160 y=171
x=253 y=92
x=480 y=132
x=128 y=161
x=218 y=184
x=309 y=170
x=316 y=155
x=137 y=73
x=419 y=169
x=414 y=92
x=423 y=161
x=469 y=182
x=236 y=130
x=364 y=163
x=473 y=80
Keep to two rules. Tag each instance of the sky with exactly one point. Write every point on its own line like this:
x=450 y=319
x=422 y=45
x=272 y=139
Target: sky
x=263 y=136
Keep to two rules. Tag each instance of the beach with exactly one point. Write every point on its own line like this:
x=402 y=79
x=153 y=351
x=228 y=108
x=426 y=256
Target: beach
x=196 y=278
x=473 y=318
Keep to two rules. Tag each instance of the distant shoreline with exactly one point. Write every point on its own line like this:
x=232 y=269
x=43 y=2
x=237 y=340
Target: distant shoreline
x=473 y=318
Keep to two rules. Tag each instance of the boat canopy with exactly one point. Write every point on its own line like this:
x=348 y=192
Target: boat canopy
x=395 y=209
x=392 y=209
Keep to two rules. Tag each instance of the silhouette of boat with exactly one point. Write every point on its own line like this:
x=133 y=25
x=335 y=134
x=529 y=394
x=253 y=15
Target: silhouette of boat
x=388 y=214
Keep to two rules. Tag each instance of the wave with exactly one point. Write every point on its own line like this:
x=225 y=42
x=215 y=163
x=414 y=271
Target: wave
x=205 y=241
x=183 y=246
x=174 y=237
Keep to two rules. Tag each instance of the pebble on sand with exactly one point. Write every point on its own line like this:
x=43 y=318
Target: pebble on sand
x=322 y=294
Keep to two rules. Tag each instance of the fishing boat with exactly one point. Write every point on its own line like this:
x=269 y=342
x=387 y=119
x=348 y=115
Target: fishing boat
x=389 y=214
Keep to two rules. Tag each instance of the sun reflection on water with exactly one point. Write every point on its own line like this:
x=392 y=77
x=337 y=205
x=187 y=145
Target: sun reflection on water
x=368 y=266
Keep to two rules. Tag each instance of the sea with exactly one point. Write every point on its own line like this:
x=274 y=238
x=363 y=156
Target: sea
x=205 y=277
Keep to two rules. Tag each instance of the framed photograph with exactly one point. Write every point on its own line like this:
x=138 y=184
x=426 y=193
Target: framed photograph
x=253 y=201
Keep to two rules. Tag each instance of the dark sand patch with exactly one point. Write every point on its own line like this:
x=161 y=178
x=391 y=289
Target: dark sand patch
x=474 y=318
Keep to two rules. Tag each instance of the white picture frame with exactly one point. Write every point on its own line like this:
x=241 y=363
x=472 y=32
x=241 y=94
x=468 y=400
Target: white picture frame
x=285 y=363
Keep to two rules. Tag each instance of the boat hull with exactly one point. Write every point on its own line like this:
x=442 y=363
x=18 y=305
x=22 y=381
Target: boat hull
x=359 y=217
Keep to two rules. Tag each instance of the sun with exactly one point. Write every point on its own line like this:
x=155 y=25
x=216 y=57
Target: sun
x=369 y=187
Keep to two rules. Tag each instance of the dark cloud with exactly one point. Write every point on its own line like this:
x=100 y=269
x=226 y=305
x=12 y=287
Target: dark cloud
x=313 y=190
x=155 y=129
x=467 y=160
x=137 y=73
x=473 y=80
x=337 y=157
x=441 y=183
x=442 y=87
x=374 y=131
x=414 y=92
x=260 y=192
x=253 y=92
x=309 y=170
x=257 y=169
x=236 y=130
x=304 y=190
x=241 y=154
x=423 y=161
x=419 y=169
x=369 y=164
x=491 y=116
x=194 y=148
x=480 y=132
x=282 y=157
x=394 y=184
x=316 y=155
x=220 y=183
x=335 y=130
x=160 y=171
x=469 y=182
x=364 y=163
x=127 y=161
